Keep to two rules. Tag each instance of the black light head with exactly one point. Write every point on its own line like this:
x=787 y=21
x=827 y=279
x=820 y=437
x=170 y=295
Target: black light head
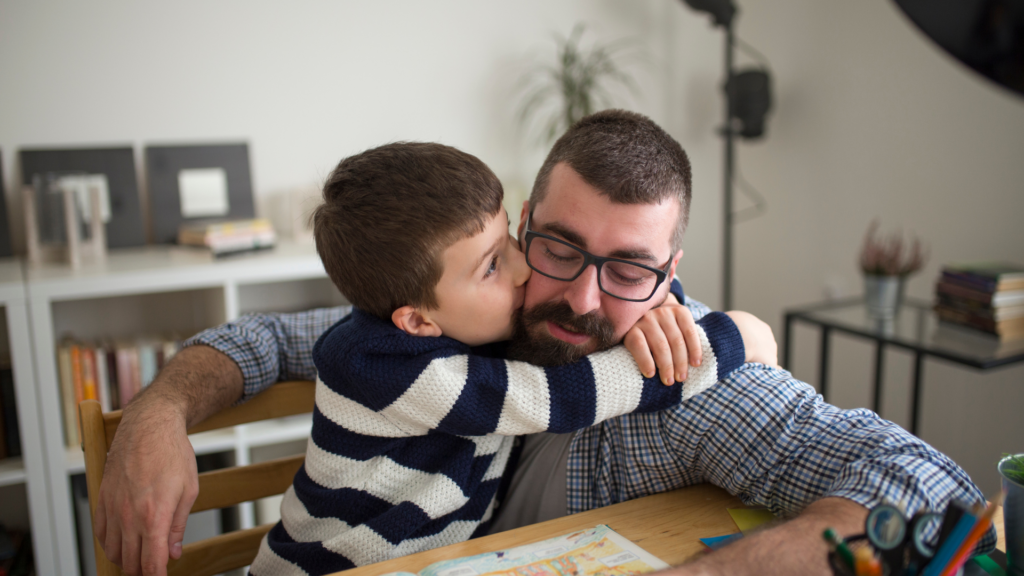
x=723 y=11
x=750 y=97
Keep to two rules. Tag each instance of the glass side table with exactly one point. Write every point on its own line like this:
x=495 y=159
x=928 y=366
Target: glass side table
x=915 y=328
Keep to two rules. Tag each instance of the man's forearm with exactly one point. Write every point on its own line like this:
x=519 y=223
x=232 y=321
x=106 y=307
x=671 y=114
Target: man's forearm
x=794 y=548
x=197 y=383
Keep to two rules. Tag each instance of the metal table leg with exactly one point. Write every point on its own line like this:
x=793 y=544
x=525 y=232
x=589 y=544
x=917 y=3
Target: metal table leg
x=879 y=367
x=823 y=376
x=915 y=406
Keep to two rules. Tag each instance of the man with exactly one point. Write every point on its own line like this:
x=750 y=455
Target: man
x=615 y=186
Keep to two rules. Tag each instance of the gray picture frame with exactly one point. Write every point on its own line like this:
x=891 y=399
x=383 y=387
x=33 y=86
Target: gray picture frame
x=125 y=228
x=164 y=162
x=5 y=224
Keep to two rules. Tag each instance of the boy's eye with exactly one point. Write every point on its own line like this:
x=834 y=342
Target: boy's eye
x=492 y=267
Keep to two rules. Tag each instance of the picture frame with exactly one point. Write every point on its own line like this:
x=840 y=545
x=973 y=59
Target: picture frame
x=192 y=182
x=124 y=228
x=5 y=224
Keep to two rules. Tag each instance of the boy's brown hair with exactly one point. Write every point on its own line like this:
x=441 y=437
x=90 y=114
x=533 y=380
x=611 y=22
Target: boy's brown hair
x=389 y=213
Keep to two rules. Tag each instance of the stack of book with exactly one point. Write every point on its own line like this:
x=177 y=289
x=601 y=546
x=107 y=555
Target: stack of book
x=111 y=372
x=988 y=297
x=228 y=237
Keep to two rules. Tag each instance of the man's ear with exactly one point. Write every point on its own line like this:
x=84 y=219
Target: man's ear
x=522 y=218
x=414 y=322
x=675 y=262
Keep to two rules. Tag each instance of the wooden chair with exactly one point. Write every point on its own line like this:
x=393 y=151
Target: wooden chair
x=218 y=488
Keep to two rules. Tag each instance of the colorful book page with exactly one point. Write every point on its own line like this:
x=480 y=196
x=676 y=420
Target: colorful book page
x=599 y=550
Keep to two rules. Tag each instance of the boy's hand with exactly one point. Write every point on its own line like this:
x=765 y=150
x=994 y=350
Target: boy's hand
x=667 y=338
x=758 y=340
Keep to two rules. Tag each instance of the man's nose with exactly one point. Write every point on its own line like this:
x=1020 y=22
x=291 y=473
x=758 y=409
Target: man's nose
x=583 y=294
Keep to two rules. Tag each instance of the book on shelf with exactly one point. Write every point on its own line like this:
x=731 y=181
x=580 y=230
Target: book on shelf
x=109 y=371
x=596 y=551
x=228 y=237
x=987 y=296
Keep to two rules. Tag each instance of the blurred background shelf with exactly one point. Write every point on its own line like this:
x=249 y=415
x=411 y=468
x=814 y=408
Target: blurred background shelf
x=160 y=290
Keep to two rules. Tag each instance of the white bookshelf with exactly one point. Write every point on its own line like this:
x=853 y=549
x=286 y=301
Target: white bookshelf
x=154 y=290
x=29 y=470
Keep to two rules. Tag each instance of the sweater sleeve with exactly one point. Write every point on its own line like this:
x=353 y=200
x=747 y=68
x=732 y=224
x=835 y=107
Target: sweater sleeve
x=435 y=384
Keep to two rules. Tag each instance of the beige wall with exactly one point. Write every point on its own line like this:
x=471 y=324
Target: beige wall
x=870 y=120
x=873 y=120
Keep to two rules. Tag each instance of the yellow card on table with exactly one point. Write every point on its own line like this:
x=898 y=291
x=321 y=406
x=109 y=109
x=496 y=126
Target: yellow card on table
x=747 y=519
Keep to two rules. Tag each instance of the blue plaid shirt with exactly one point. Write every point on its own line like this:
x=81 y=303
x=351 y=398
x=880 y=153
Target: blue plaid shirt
x=761 y=434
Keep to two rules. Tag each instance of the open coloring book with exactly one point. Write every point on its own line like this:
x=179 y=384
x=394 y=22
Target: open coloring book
x=597 y=551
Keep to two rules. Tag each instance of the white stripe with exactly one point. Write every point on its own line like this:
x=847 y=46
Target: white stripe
x=360 y=544
x=380 y=476
x=268 y=563
x=619 y=383
x=353 y=416
x=485 y=445
x=497 y=467
x=700 y=378
x=432 y=396
x=527 y=407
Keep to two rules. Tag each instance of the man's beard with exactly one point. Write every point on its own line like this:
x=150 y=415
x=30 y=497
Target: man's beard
x=532 y=343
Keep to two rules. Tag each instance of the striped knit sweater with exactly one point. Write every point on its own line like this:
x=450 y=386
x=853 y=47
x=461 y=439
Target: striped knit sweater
x=412 y=436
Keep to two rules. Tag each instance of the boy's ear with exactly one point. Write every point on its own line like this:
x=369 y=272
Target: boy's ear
x=522 y=218
x=413 y=322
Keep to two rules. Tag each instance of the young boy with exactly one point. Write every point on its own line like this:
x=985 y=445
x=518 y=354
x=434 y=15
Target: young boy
x=414 y=428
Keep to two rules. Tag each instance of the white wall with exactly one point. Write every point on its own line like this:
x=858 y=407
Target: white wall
x=873 y=120
x=870 y=120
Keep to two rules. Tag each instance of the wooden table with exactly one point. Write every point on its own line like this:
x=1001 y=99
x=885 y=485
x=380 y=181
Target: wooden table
x=668 y=525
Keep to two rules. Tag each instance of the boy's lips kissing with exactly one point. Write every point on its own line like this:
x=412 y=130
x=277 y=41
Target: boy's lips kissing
x=575 y=338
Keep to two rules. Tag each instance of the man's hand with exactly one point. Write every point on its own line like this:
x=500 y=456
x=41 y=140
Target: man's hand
x=149 y=485
x=150 y=481
x=795 y=548
x=667 y=338
x=758 y=340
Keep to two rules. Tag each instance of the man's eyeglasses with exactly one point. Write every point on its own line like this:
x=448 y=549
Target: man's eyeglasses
x=560 y=260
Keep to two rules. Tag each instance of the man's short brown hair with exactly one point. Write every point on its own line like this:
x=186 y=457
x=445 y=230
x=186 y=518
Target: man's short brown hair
x=389 y=213
x=626 y=156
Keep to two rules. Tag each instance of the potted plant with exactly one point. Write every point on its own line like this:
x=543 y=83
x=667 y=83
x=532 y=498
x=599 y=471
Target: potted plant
x=886 y=263
x=575 y=86
x=1011 y=469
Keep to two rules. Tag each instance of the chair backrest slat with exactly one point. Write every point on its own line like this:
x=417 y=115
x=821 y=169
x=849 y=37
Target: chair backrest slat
x=220 y=553
x=280 y=400
x=218 y=488
x=231 y=486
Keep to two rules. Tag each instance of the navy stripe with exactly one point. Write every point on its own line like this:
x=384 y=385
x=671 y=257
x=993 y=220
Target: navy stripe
x=346 y=504
x=310 y=556
x=372 y=362
x=478 y=408
x=656 y=396
x=573 y=396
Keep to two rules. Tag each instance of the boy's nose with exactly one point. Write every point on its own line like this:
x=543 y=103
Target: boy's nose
x=521 y=270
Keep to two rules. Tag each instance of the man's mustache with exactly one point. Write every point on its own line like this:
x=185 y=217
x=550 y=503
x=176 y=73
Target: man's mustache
x=538 y=347
x=597 y=327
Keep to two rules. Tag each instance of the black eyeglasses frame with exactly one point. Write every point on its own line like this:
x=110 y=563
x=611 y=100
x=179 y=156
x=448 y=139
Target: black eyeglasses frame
x=588 y=259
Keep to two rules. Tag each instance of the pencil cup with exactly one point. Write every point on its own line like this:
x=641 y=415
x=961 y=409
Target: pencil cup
x=853 y=543
x=1013 y=519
